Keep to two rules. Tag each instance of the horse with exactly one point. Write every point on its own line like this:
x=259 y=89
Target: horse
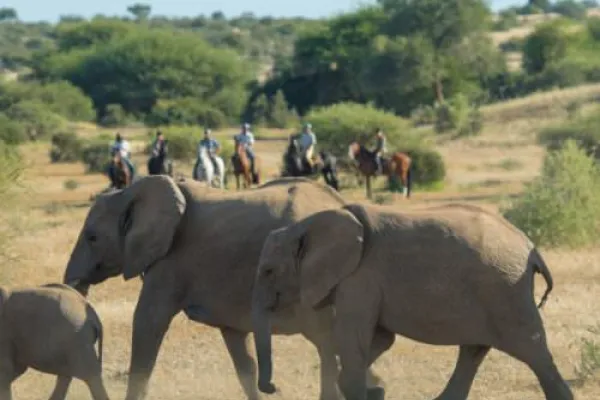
x=296 y=165
x=241 y=166
x=160 y=165
x=204 y=170
x=397 y=165
x=116 y=173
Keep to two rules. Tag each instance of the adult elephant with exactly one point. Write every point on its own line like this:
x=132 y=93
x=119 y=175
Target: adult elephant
x=197 y=250
x=474 y=290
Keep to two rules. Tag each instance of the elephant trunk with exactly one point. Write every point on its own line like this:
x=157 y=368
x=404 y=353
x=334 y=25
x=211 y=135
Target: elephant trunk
x=74 y=275
x=262 y=340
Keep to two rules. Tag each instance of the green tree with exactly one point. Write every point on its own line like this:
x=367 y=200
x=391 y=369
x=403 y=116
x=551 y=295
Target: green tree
x=280 y=115
x=8 y=14
x=147 y=65
x=543 y=5
x=444 y=23
x=140 y=11
x=547 y=44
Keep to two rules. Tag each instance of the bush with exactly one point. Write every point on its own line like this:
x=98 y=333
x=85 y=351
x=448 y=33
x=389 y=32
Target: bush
x=186 y=111
x=507 y=19
x=61 y=98
x=585 y=131
x=423 y=115
x=458 y=115
x=428 y=166
x=36 y=119
x=114 y=115
x=561 y=207
x=11 y=132
x=338 y=125
x=96 y=156
x=66 y=147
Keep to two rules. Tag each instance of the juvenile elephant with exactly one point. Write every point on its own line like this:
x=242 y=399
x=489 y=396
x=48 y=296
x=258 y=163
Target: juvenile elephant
x=198 y=249
x=52 y=329
x=450 y=275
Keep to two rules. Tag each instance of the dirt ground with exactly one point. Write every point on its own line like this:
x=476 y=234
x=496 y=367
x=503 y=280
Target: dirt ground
x=193 y=362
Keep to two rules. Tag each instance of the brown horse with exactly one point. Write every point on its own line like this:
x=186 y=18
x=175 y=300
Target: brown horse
x=397 y=165
x=241 y=166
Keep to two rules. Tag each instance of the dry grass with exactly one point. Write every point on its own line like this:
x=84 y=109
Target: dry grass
x=193 y=362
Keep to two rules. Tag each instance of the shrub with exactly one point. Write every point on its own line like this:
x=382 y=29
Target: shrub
x=585 y=131
x=66 y=147
x=338 y=125
x=561 y=206
x=36 y=119
x=11 y=132
x=186 y=111
x=459 y=116
x=428 y=166
x=423 y=115
x=507 y=19
x=114 y=115
x=96 y=156
x=61 y=98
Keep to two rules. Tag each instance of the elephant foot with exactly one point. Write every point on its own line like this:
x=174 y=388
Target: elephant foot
x=373 y=380
x=376 y=393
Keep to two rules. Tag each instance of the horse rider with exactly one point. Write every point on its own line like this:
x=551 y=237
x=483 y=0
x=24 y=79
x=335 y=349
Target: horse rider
x=246 y=138
x=212 y=147
x=380 y=149
x=159 y=147
x=122 y=145
x=307 y=141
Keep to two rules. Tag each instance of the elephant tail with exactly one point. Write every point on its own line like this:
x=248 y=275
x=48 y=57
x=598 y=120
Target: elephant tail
x=541 y=267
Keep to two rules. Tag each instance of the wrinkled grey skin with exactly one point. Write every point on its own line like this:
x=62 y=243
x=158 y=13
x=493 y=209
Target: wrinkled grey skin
x=450 y=275
x=198 y=249
x=52 y=329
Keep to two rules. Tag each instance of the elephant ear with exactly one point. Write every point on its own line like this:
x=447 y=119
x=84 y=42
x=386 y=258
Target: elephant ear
x=330 y=245
x=151 y=210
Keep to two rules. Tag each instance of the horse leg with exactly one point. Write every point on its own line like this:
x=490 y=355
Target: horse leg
x=368 y=185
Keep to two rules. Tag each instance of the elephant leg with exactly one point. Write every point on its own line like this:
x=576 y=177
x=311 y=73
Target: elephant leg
x=153 y=315
x=459 y=385
x=61 y=388
x=324 y=342
x=382 y=341
x=5 y=390
x=245 y=367
x=530 y=347
x=97 y=388
x=354 y=336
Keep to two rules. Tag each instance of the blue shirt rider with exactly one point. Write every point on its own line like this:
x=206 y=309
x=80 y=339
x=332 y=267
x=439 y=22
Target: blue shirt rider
x=211 y=145
x=246 y=138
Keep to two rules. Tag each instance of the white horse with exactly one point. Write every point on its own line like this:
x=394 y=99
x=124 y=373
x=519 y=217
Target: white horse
x=205 y=171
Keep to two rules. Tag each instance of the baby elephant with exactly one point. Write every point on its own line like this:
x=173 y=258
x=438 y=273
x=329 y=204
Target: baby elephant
x=53 y=329
x=449 y=275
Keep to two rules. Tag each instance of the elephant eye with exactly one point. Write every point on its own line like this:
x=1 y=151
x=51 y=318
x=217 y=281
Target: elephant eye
x=269 y=272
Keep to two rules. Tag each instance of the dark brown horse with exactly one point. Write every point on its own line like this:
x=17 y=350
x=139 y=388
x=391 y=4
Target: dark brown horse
x=395 y=166
x=241 y=167
x=120 y=172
